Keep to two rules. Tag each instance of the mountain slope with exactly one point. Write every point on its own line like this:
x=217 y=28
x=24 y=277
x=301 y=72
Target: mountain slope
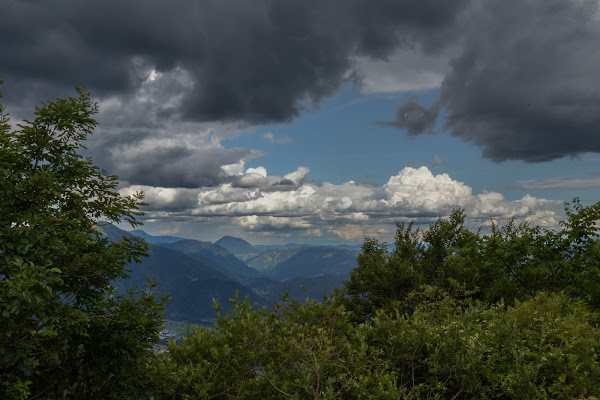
x=265 y=247
x=204 y=273
x=299 y=288
x=191 y=283
x=113 y=233
x=238 y=247
x=269 y=259
x=215 y=256
x=315 y=261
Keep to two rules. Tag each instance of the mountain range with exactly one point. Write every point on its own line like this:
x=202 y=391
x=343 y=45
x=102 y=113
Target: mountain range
x=195 y=272
x=191 y=282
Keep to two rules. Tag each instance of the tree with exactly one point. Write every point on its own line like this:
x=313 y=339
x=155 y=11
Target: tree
x=447 y=348
x=63 y=332
x=294 y=350
x=544 y=348
x=383 y=279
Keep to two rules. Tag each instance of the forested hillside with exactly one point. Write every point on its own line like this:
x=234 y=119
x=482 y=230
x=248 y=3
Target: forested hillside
x=305 y=261
x=238 y=247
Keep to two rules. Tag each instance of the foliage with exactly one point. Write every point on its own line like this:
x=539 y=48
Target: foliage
x=62 y=333
x=295 y=350
x=512 y=262
x=544 y=348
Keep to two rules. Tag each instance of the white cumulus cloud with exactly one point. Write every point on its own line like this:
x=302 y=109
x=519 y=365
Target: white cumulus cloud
x=290 y=205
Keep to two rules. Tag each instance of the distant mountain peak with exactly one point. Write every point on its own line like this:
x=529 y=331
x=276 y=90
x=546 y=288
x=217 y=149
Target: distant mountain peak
x=238 y=247
x=227 y=237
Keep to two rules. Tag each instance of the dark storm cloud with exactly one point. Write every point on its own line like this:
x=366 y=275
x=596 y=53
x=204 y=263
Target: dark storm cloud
x=414 y=117
x=166 y=159
x=256 y=61
x=526 y=85
x=255 y=180
x=181 y=203
x=523 y=86
x=178 y=166
x=266 y=184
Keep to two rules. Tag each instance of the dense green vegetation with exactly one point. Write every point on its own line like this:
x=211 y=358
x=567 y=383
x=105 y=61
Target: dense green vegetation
x=63 y=333
x=513 y=262
x=546 y=347
x=448 y=314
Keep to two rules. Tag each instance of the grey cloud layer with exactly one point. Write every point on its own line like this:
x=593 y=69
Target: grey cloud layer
x=258 y=61
x=580 y=183
x=142 y=140
x=179 y=166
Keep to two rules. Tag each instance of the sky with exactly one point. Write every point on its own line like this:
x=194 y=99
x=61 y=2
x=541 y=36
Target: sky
x=317 y=121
